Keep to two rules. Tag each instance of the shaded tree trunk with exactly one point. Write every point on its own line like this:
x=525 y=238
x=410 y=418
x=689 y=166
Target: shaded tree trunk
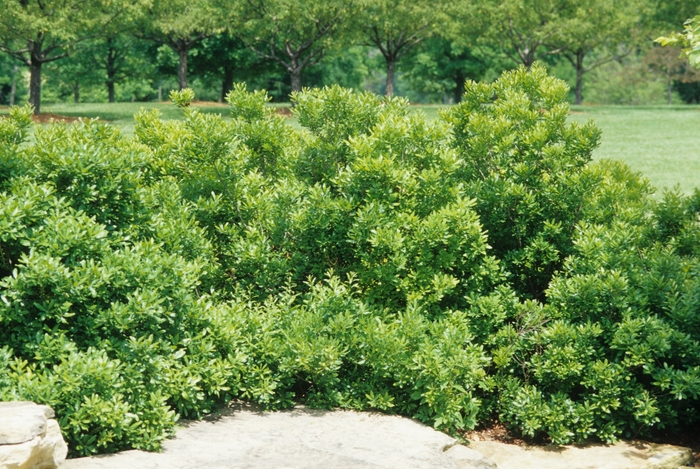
x=390 y=67
x=35 y=84
x=669 y=90
x=182 y=52
x=460 y=80
x=110 y=92
x=111 y=69
x=76 y=92
x=13 y=86
x=295 y=76
x=227 y=83
x=579 y=76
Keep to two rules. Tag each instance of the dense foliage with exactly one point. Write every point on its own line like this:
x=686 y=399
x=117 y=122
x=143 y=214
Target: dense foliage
x=479 y=266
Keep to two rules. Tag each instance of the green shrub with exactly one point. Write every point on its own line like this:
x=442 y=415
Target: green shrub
x=521 y=159
x=479 y=266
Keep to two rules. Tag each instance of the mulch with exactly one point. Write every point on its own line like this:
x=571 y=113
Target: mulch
x=496 y=431
x=48 y=117
x=284 y=111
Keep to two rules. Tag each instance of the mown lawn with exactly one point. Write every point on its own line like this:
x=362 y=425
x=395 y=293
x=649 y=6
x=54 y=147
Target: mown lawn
x=662 y=142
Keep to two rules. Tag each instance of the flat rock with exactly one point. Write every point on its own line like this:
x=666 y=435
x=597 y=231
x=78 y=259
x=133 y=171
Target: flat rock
x=300 y=438
x=29 y=437
x=22 y=421
x=622 y=455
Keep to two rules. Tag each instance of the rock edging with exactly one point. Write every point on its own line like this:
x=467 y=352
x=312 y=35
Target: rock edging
x=30 y=438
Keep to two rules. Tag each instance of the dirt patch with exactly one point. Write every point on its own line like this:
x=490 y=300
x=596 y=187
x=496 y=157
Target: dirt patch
x=209 y=104
x=47 y=117
x=496 y=431
x=284 y=111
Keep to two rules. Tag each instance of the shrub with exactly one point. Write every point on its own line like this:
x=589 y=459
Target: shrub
x=479 y=266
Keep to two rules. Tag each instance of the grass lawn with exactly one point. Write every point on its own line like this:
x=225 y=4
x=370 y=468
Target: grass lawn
x=662 y=142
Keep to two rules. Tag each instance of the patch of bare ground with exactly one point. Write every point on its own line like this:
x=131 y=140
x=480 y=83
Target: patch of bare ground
x=284 y=111
x=48 y=117
x=496 y=431
x=209 y=104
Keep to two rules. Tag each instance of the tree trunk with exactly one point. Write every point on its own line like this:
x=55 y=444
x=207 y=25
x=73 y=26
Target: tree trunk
x=160 y=91
x=460 y=80
x=669 y=90
x=579 y=77
x=227 y=83
x=76 y=92
x=13 y=86
x=110 y=92
x=295 y=75
x=111 y=69
x=35 y=84
x=182 y=66
x=390 y=65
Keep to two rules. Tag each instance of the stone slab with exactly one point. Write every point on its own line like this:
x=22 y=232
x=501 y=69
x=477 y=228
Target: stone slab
x=29 y=437
x=300 y=438
x=22 y=421
x=622 y=455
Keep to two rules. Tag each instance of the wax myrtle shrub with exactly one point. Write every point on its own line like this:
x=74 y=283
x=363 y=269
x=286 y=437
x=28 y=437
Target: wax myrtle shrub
x=102 y=315
x=476 y=266
x=521 y=159
x=231 y=172
x=615 y=350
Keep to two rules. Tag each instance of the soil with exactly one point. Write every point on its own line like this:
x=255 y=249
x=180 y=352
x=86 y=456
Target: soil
x=284 y=111
x=209 y=104
x=47 y=117
x=496 y=431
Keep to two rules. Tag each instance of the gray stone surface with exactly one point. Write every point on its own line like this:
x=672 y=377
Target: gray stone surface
x=301 y=438
x=29 y=437
x=623 y=455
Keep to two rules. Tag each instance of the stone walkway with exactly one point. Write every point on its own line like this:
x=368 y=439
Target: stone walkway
x=314 y=439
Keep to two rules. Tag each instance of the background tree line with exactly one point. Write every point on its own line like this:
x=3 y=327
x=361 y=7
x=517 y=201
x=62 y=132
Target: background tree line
x=114 y=50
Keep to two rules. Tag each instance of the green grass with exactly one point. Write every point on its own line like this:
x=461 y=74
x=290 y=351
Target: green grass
x=661 y=142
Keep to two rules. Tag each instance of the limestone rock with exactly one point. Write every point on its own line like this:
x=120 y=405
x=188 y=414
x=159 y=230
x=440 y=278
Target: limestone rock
x=467 y=458
x=623 y=455
x=29 y=437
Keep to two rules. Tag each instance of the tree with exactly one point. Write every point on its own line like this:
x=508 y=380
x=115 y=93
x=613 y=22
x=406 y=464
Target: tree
x=673 y=66
x=442 y=66
x=293 y=33
x=395 y=27
x=224 y=58
x=525 y=30
x=118 y=57
x=597 y=32
x=180 y=24
x=37 y=32
x=9 y=75
x=68 y=75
